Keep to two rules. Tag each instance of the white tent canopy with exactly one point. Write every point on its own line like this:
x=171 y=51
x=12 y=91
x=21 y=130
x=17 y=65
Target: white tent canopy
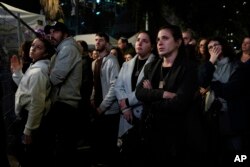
x=90 y=39
x=13 y=31
x=28 y=17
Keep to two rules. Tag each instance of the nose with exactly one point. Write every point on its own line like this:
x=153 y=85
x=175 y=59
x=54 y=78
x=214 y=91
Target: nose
x=212 y=46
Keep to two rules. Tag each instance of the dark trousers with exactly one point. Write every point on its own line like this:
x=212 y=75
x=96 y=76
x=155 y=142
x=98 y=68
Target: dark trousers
x=3 y=150
x=104 y=139
x=62 y=133
x=133 y=151
x=34 y=154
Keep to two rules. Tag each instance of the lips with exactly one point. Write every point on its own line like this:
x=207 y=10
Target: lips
x=160 y=49
x=138 y=48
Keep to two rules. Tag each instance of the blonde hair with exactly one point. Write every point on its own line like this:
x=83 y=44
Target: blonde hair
x=52 y=9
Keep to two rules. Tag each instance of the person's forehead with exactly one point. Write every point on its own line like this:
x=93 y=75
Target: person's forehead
x=186 y=34
x=99 y=37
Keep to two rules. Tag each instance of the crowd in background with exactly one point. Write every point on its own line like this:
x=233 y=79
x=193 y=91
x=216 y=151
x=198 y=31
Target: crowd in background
x=169 y=100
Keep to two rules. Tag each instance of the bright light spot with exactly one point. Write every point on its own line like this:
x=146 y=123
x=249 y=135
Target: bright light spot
x=98 y=1
x=244 y=3
x=223 y=6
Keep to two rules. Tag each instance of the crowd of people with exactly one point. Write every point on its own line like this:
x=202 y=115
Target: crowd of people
x=169 y=100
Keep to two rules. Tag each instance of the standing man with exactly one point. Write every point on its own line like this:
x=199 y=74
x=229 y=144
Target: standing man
x=66 y=78
x=103 y=100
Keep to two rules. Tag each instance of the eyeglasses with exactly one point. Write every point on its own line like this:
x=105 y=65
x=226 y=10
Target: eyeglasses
x=213 y=46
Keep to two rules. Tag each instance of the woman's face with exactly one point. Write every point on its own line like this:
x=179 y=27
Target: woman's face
x=143 y=45
x=37 y=50
x=95 y=54
x=202 y=46
x=214 y=47
x=166 y=44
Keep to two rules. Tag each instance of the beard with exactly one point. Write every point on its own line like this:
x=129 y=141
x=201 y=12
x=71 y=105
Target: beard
x=100 y=48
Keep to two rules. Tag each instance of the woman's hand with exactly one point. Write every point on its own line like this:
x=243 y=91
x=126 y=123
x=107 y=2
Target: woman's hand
x=128 y=115
x=214 y=52
x=147 y=84
x=15 y=64
x=27 y=139
x=168 y=95
x=203 y=91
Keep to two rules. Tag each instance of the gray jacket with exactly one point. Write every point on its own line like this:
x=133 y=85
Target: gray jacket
x=66 y=73
x=109 y=72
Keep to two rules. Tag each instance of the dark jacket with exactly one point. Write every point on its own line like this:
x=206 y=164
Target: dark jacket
x=237 y=93
x=182 y=80
x=166 y=119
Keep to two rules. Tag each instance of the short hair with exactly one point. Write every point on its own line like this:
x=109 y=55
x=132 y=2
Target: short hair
x=124 y=40
x=104 y=35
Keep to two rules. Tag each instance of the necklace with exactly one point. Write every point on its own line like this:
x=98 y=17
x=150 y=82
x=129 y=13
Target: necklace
x=137 y=69
x=162 y=82
x=139 y=66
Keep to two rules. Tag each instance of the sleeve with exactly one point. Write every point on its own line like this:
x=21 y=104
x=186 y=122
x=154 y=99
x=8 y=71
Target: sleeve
x=235 y=87
x=185 y=93
x=113 y=72
x=205 y=74
x=148 y=95
x=120 y=91
x=17 y=76
x=64 y=61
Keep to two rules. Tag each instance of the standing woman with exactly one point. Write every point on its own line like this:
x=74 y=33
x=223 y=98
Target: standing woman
x=201 y=51
x=218 y=117
x=167 y=90
x=32 y=100
x=130 y=75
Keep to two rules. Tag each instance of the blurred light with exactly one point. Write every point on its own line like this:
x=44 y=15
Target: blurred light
x=223 y=6
x=62 y=4
x=244 y=3
x=237 y=12
x=98 y=1
x=98 y=13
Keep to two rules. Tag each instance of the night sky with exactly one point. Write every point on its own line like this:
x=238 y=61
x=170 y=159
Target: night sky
x=29 y=5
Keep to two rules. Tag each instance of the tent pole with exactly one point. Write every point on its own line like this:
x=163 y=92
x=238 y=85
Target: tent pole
x=18 y=31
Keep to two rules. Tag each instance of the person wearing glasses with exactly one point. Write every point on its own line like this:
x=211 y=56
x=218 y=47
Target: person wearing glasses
x=219 y=68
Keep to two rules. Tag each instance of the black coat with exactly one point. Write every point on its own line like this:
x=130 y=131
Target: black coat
x=237 y=93
x=166 y=119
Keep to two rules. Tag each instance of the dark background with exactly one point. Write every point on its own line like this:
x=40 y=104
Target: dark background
x=229 y=18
